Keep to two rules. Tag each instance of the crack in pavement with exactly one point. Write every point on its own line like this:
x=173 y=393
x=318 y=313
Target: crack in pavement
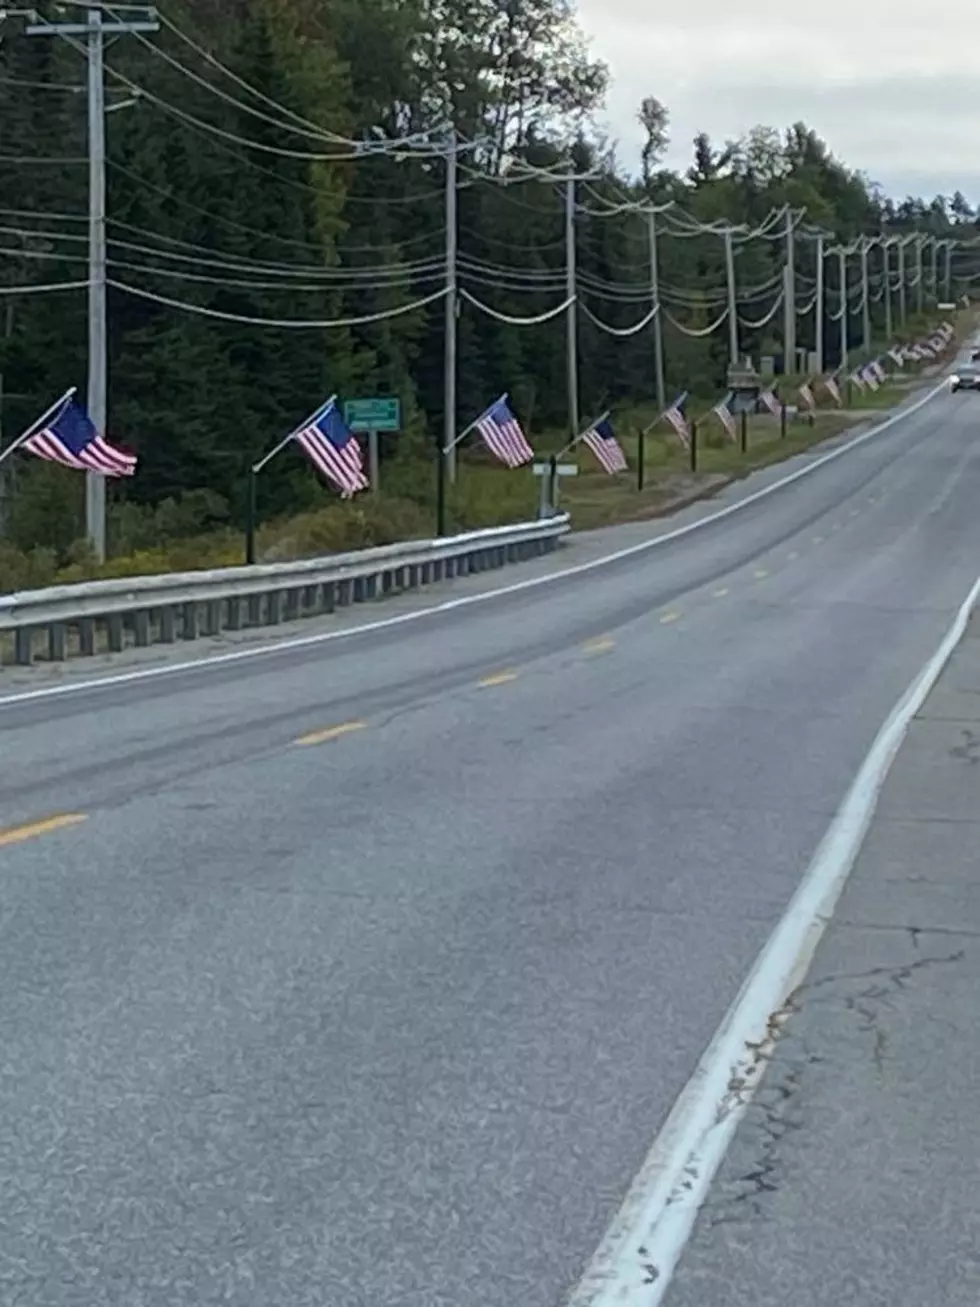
x=775 y=1112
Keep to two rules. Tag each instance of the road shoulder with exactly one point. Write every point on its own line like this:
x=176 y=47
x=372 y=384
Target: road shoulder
x=852 y=1178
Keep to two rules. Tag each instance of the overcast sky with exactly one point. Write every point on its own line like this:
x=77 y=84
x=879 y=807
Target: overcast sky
x=891 y=85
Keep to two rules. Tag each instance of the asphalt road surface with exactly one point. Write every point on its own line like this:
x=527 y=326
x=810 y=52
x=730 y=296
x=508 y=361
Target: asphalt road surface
x=369 y=970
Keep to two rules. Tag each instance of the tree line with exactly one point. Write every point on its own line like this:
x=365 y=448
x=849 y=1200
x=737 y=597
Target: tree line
x=250 y=180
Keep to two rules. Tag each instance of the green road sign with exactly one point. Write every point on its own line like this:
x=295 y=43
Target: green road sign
x=373 y=414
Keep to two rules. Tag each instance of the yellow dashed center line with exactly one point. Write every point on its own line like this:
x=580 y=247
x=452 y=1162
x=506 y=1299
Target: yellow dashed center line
x=498 y=678
x=720 y=592
x=601 y=645
x=669 y=617
x=330 y=733
x=17 y=834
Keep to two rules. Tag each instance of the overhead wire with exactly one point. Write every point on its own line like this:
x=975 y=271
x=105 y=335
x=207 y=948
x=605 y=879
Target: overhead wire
x=285 y=323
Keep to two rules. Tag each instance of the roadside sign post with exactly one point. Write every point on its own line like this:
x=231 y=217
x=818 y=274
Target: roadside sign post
x=550 y=473
x=372 y=417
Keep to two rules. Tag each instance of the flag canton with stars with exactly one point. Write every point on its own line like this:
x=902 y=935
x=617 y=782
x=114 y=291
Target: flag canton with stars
x=503 y=436
x=602 y=441
x=71 y=439
x=334 y=450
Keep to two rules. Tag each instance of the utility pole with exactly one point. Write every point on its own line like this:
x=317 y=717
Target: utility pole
x=934 y=271
x=8 y=331
x=451 y=315
x=842 y=264
x=949 y=269
x=658 y=326
x=865 y=296
x=919 y=287
x=94 y=31
x=789 y=300
x=819 y=308
x=886 y=273
x=902 y=306
x=572 y=311
x=732 y=302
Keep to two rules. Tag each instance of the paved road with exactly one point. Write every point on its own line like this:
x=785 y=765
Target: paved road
x=393 y=1018
x=853 y=1177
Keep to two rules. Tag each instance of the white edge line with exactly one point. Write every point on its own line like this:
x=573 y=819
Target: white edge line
x=448 y=605
x=658 y=1215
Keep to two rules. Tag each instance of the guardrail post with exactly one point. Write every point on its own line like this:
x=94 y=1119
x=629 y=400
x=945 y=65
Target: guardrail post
x=273 y=608
x=290 y=607
x=86 y=637
x=24 y=646
x=168 y=625
x=188 y=621
x=114 y=630
x=255 y=610
x=234 y=621
x=212 y=617
x=328 y=592
x=56 y=642
x=141 y=628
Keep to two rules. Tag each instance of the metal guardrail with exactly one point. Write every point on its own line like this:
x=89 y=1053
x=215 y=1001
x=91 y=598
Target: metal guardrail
x=109 y=616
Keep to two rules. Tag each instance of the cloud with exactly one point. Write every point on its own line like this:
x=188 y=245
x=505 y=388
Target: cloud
x=906 y=114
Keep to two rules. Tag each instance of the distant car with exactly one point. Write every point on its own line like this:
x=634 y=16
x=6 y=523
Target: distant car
x=966 y=377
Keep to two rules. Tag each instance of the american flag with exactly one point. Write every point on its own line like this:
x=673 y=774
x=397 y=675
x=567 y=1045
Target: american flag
x=878 y=370
x=601 y=439
x=833 y=390
x=333 y=450
x=69 y=437
x=722 y=413
x=869 y=378
x=503 y=436
x=806 y=394
x=857 y=379
x=675 y=416
x=897 y=357
x=768 y=398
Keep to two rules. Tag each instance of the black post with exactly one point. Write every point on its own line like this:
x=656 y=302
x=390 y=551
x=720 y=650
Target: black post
x=553 y=484
x=782 y=421
x=441 y=492
x=640 y=449
x=694 y=446
x=250 y=518
x=744 y=432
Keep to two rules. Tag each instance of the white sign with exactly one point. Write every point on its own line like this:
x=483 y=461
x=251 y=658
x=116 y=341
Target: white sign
x=563 y=469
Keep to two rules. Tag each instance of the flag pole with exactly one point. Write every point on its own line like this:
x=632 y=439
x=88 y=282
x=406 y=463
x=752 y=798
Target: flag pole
x=257 y=467
x=35 y=426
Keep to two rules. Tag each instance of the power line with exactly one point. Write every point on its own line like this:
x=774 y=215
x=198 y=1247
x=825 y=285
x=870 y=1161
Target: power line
x=289 y=323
